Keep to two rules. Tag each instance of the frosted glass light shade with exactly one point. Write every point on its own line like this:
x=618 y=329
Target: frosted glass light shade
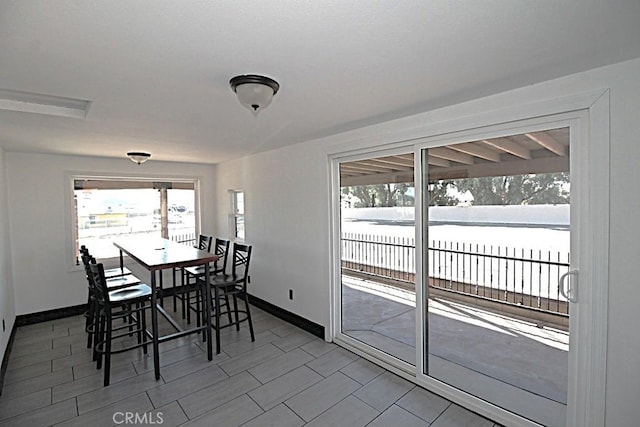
x=138 y=157
x=254 y=92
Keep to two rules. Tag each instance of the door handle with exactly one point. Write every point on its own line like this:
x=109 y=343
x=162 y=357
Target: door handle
x=570 y=292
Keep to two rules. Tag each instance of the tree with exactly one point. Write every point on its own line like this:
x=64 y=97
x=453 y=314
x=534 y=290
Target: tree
x=380 y=195
x=530 y=189
x=440 y=194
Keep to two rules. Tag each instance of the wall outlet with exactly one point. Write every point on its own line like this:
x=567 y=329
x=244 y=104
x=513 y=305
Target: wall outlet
x=291 y=294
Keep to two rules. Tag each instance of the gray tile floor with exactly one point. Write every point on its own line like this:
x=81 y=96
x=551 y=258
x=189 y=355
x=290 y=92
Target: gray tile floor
x=286 y=378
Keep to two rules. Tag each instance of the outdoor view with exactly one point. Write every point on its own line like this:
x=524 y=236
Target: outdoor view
x=497 y=244
x=104 y=214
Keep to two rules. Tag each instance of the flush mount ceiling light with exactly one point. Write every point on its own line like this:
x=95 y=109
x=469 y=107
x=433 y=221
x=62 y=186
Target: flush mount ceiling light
x=138 y=157
x=254 y=92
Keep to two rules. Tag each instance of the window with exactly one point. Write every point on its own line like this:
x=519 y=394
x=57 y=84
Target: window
x=109 y=208
x=237 y=214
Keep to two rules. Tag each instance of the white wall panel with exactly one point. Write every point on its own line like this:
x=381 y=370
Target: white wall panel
x=286 y=221
x=7 y=305
x=38 y=210
x=288 y=208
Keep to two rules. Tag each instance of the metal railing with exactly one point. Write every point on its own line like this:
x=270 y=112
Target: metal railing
x=186 y=238
x=527 y=278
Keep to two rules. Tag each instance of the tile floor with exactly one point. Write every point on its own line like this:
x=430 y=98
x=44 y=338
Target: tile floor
x=286 y=378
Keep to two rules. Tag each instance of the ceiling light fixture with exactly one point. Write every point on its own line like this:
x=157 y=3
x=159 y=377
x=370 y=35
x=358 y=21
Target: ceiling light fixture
x=138 y=157
x=254 y=92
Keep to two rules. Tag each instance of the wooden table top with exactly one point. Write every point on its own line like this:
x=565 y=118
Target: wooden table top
x=157 y=253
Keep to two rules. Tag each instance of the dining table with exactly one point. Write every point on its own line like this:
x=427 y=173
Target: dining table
x=156 y=254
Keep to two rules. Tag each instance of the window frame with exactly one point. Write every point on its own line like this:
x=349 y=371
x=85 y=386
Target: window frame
x=71 y=214
x=591 y=110
x=235 y=215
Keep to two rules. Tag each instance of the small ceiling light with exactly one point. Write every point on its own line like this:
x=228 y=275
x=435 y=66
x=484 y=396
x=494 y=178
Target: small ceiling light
x=254 y=92
x=138 y=157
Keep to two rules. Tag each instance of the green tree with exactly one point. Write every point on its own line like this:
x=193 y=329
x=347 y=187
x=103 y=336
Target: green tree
x=380 y=195
x=530 y=189
x=440 y=195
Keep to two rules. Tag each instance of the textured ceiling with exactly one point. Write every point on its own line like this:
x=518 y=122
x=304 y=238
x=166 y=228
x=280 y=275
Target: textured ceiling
x=157 y=72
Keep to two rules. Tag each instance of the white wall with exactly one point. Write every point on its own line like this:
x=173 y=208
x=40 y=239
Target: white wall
x=286 y=221
x=509 y=214
x=37 y=206
x=7 y=305
x=287 y=213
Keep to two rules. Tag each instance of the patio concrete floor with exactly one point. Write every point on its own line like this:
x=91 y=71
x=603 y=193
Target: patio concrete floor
x=511 y=351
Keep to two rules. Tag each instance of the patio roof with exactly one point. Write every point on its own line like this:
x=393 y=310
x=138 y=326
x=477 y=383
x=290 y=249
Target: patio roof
x=536 y=152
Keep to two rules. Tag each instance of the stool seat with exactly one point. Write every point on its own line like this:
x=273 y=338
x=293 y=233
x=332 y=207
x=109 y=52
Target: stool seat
x=125 y=304
x=129 y=293
x=116 y=272
x=122 y=281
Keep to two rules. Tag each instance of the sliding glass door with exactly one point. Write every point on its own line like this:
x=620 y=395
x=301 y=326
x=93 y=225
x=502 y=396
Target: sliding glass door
x=377 y=266
x=496 y=238
x=457 y=280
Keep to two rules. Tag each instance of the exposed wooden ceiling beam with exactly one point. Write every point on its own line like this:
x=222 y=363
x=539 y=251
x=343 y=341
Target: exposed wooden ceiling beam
x=436 y=161
x=379 y=178
x=363 y=167
x=547 y=141
x=395 y=160
x=477 y=150
x=535 y=152
x=509 y=147
x=408 y=156
x=348 y=166
x=449 y=154
x=380 y=163
x=513 y=167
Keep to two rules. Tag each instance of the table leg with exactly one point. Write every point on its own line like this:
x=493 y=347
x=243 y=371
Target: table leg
x=161 y=289
x=154 y=326
x=207 y=309
x=173 y=276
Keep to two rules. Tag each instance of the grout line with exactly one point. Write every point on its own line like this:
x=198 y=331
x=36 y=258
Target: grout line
x=181 y=408
x=375 y=409
x=441 y=413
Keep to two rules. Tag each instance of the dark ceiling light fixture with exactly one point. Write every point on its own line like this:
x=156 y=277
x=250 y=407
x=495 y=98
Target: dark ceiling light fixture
x=138 y=157
x=254 y=92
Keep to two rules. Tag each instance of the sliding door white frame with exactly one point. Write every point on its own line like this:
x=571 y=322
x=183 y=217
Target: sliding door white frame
x=588 y=115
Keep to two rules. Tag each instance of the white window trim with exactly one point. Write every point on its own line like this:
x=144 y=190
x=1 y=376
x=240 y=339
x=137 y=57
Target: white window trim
x=587 y=381
x=71 y=234
x=234 y=215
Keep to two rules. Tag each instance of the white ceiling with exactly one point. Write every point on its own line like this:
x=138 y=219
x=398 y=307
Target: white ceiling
x=157 y=71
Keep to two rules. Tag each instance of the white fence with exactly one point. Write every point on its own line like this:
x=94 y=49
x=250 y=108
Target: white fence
x=529 y=215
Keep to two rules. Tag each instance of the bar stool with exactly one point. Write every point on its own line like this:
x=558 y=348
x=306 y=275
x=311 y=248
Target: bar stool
x=111 y=272
x=114 y=282
x=204 y=244
x=193 y=274
x=233 y=285
x=130 y=304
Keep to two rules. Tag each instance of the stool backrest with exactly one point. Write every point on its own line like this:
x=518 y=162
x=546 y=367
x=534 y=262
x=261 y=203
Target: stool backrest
x=204 y=242
x=222 y=250
x=98 y=281
x=240 y=263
